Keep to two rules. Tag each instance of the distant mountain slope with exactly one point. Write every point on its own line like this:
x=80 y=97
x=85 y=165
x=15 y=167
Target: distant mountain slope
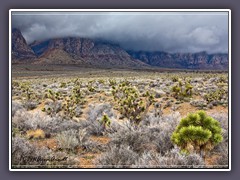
x=99 y=53
x=87 y=51
x=200 y=60
x=55 y=56
x=20 y=49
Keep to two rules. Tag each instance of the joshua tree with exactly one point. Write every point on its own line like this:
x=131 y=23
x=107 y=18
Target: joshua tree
x=105 y=121
x=131 y=104
x=181 y=90
x=197 y=133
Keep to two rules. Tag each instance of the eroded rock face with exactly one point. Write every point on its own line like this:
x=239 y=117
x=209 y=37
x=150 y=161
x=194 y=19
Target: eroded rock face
x=200 y=60
x=88 y=51
x=20 y=49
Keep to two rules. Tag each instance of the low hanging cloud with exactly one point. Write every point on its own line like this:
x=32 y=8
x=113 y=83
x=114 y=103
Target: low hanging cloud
x=149 y=31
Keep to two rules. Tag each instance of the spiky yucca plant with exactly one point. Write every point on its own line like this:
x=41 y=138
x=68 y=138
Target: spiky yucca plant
x=197 y=133
x=105 y=121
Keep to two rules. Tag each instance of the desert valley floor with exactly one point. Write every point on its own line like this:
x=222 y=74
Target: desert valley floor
x=71 y=117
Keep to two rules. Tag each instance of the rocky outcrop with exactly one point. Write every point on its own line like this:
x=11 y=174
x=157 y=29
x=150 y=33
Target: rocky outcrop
x=20 y=48
x=89 y=52
x=200 y=60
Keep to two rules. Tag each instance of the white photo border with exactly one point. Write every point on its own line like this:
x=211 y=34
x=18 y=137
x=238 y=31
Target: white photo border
x=120 y=10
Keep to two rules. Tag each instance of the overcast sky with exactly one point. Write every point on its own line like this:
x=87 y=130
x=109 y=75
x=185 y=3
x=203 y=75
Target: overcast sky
x=151 y=31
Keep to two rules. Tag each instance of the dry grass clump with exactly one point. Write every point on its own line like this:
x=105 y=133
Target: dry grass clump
x=35 y=134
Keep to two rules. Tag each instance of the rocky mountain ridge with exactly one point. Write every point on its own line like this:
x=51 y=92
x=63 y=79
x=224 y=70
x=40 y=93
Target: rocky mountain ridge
x=86 y=51
x=20 y=49
x=98 y=53
x=200 y=60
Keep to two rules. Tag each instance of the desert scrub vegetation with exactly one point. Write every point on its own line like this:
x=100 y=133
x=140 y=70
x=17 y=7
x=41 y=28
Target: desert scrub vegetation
x=182 y=90
x=101 y=119
x=216 y=97
x=131 y=104
x=68 y=140
x=118 y=121
x=22 y=151
x=117 y=157
x=72 y=105
x=26 y=155
x=16 y=106
x=172 y=159
x=69 y=106
x=147 y=146
x=24 y=121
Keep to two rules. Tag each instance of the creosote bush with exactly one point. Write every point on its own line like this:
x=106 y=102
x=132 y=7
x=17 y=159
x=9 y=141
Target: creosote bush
x=197 y=133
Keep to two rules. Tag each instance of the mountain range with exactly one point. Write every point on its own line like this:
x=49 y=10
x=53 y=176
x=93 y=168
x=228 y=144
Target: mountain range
x=103 y=54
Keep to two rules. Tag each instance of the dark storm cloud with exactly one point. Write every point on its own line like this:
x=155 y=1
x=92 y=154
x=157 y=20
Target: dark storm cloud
x=154 y=31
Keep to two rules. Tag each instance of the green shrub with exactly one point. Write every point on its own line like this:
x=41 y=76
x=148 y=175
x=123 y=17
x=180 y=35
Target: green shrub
x=197 y=133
